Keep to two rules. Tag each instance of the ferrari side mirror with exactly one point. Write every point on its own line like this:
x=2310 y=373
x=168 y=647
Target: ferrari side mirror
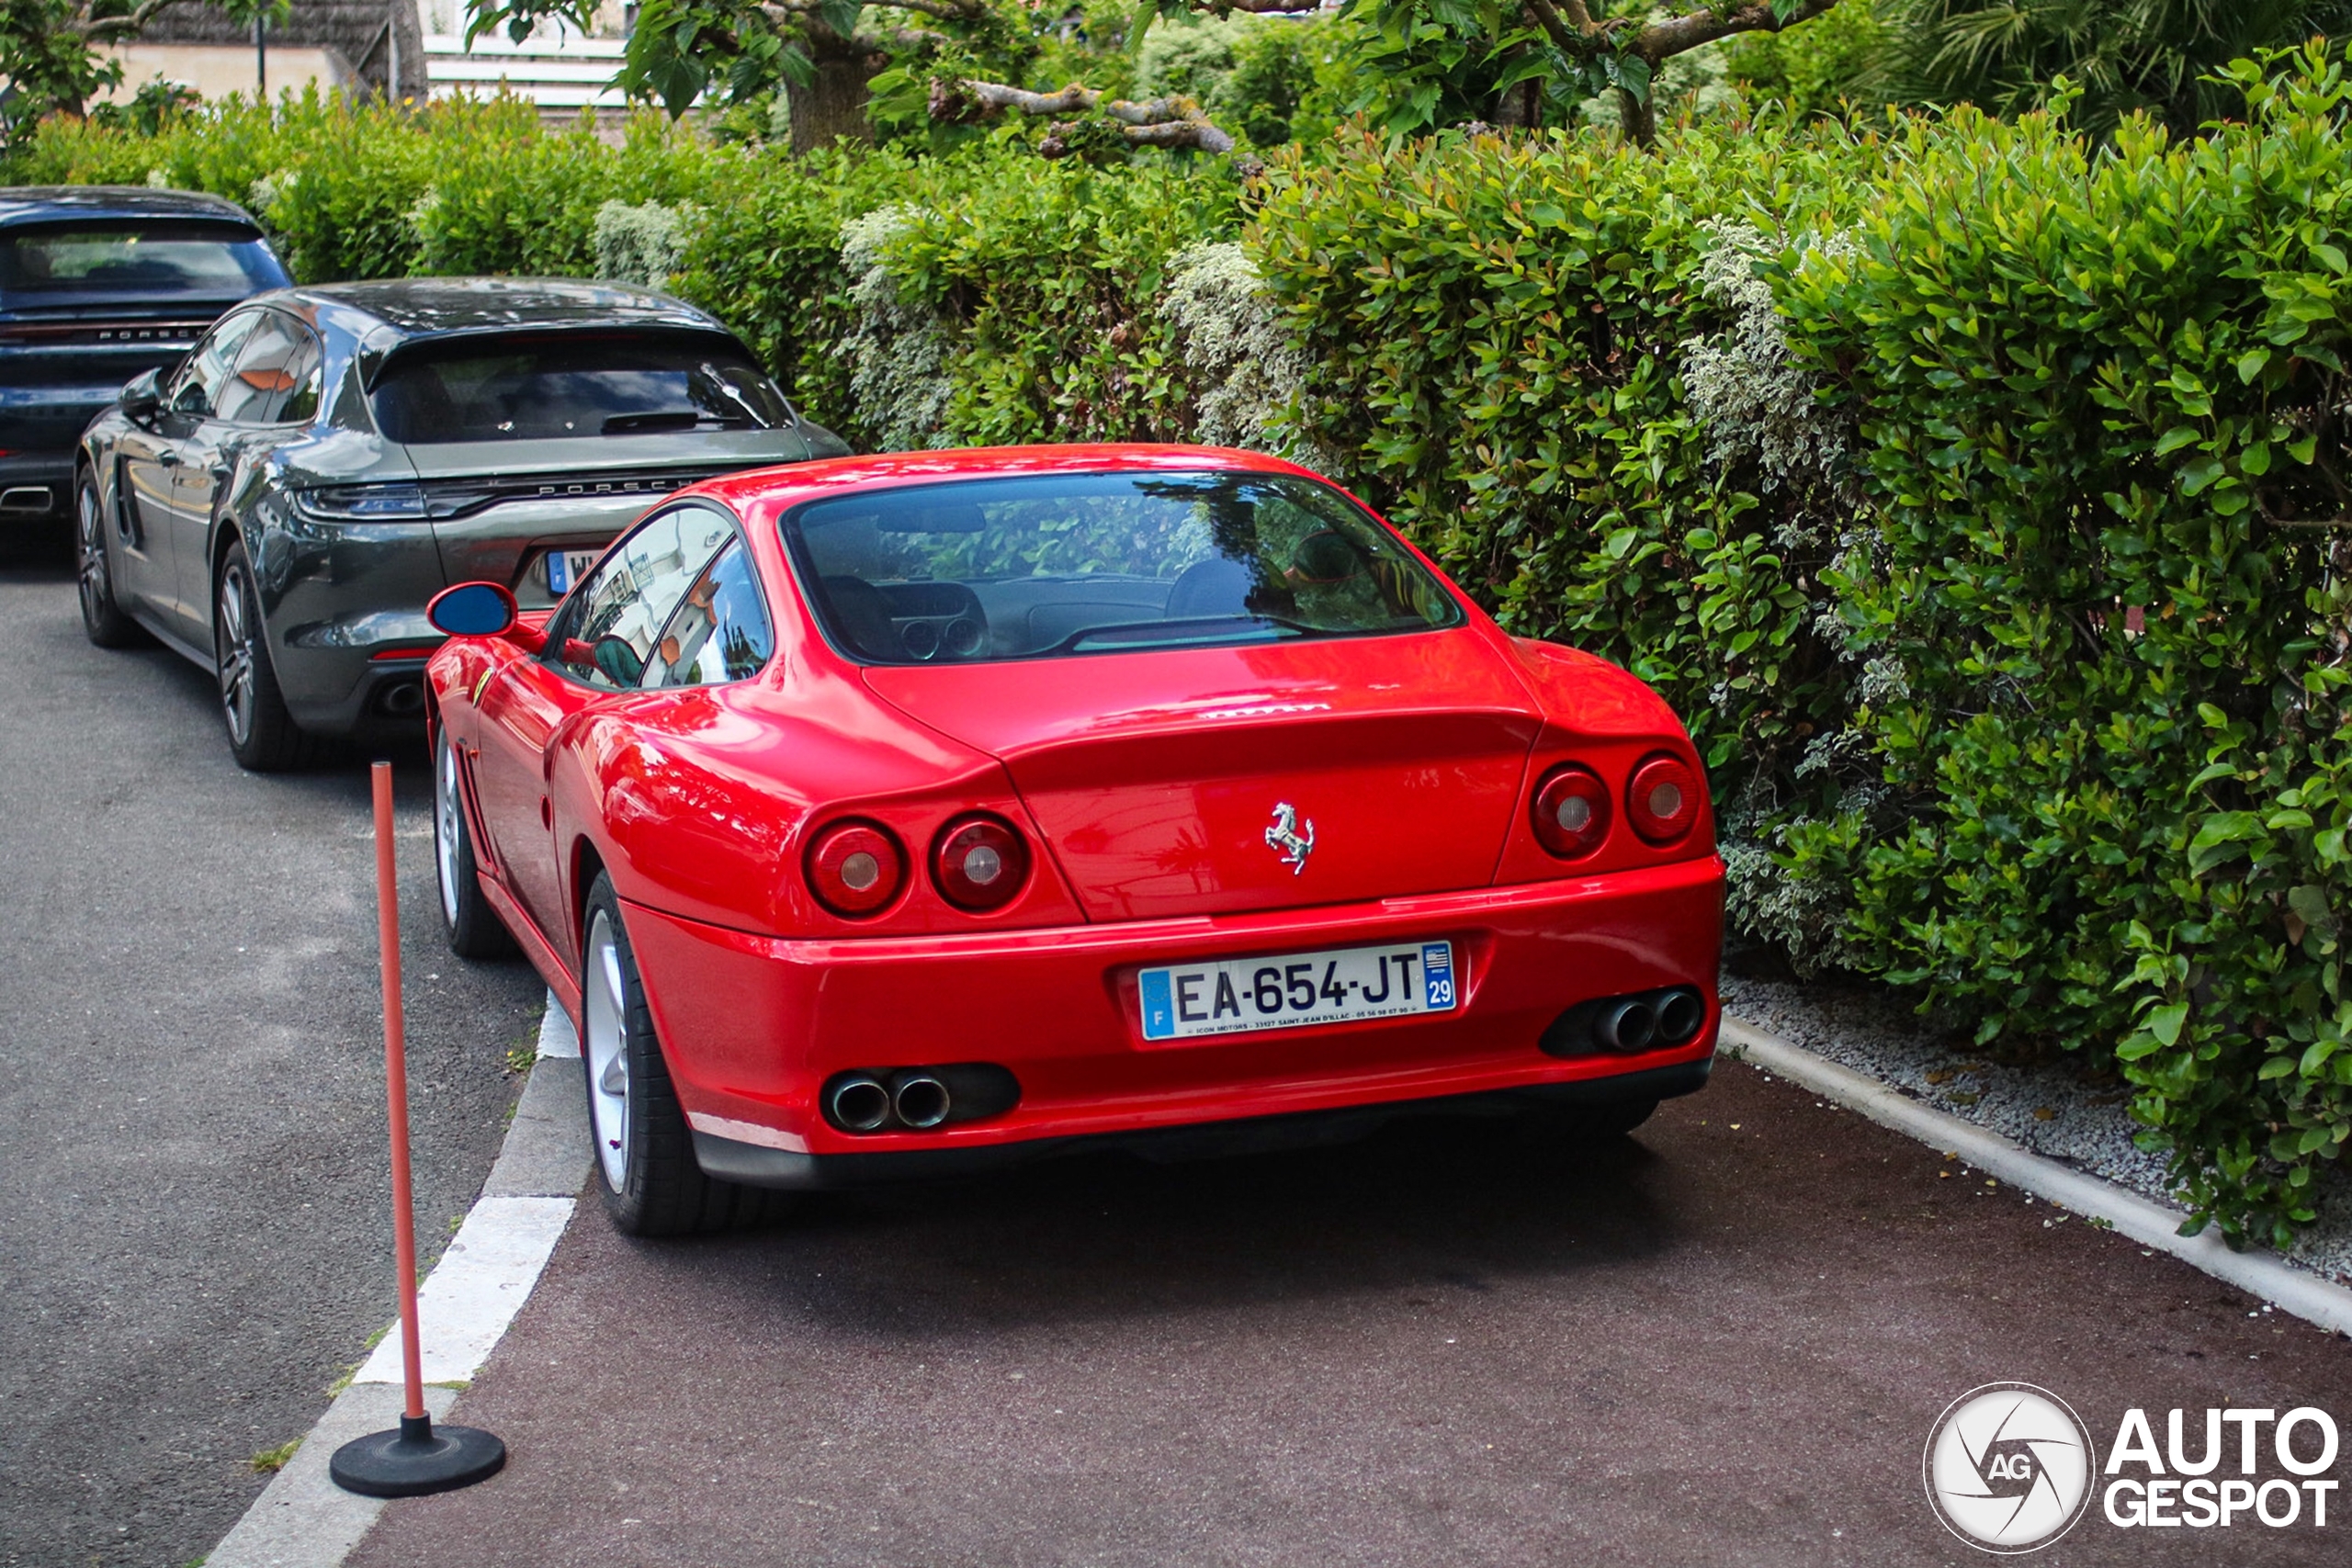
x=472 y=609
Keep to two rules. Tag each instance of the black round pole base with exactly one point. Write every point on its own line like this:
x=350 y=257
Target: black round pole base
x=416 y=1460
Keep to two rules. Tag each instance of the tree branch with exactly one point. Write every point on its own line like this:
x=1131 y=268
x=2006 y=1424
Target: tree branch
x=1162 y=122
x=1660 y=39
x=1547 y=18
x=943 y=10
x=108 y=30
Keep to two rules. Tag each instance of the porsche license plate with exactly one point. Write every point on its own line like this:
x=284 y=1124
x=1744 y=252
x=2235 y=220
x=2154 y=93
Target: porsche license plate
x=565 y=567
x=1237 y=996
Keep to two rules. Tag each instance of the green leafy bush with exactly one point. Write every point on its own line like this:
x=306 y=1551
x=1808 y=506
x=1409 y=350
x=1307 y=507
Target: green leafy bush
x=2101 y=401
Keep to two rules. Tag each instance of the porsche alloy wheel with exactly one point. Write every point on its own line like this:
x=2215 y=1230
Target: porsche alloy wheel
x=262 y=735
x=645 y=1156
x=472 y=925
x=102 y=618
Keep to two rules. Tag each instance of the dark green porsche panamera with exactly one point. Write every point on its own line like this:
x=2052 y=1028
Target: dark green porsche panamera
x=280 y=505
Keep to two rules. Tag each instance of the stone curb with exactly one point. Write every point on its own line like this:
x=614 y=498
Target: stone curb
x=302 y=1519
x=2152 y=1224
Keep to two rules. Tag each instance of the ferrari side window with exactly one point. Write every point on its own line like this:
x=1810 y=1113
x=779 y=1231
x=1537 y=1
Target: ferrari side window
x=611 y=624
x=720 y=632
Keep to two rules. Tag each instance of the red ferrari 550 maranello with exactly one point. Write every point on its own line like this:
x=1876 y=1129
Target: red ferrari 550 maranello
x=886 y=817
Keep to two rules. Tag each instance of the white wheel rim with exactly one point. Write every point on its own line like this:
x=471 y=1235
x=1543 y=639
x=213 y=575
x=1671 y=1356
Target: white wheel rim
x=605 y=1046
x=446 y=824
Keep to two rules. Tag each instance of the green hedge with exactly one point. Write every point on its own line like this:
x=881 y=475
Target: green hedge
x=2101 y=403
x=1973 y=494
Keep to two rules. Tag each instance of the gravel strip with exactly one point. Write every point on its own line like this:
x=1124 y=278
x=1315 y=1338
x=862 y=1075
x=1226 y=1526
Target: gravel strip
x=2075 y=1109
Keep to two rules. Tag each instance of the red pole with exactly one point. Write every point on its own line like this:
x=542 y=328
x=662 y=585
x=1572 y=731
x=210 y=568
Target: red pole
x=387 y=943
x=416 y=1459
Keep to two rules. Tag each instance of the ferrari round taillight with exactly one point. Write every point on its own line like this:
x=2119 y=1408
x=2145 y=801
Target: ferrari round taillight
x=1662 y=798
x=855 y=868
x=979 y=863
x=1572 y=812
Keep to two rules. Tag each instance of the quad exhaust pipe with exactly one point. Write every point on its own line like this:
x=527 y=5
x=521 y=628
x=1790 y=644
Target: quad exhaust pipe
x=916 y=1099
x=1645 y=1020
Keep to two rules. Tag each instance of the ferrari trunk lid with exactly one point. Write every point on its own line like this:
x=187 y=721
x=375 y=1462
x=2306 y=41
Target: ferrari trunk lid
x=1209 y=781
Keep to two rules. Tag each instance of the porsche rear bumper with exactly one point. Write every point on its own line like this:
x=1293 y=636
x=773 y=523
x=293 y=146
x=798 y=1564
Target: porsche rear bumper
x=753 y=1026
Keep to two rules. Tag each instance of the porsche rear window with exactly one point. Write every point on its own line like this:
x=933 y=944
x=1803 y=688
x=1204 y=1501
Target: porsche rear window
x=582 y=385
x=1068 y=564
x=213 y=259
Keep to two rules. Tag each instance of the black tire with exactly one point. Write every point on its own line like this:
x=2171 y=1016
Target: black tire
x=103 y=620
x=643 y=1152
x=472 y=927
x=263 y=736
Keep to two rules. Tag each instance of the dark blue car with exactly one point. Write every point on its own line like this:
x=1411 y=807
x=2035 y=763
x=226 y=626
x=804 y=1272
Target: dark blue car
x=98 y=283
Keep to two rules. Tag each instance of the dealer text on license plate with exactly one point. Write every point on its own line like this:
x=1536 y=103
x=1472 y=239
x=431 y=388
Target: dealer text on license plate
x=1236 y=995
x=568 y=567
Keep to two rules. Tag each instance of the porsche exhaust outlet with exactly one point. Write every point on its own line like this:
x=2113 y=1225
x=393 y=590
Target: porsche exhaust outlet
x=858 y=1103
x=1646 y=1021
x=922 y=1101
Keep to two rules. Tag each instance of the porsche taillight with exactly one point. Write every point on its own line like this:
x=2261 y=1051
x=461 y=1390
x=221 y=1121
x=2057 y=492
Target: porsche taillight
x=1571 y=815
x=855 y=868
x=979 y=863
x=1662 y=798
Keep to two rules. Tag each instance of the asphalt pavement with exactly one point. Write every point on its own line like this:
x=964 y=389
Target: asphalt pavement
x=1721 y=1341
x=195 y=1242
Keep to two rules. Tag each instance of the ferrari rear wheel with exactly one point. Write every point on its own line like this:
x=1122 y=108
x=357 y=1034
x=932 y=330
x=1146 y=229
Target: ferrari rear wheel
x=102 y=618
x=645 y=1155
x=263 y=736
x=472 y=927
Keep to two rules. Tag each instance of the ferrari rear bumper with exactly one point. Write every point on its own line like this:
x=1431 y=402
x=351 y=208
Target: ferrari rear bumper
x=753 y=1026
x=756 y=1165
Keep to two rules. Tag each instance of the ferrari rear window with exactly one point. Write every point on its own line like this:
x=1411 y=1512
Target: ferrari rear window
x=1066 y=564
x=578 y=385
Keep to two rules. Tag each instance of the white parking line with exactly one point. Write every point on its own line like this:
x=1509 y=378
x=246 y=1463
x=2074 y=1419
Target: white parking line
x=302 y=1519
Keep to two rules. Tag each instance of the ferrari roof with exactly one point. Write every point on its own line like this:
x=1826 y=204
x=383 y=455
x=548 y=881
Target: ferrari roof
x=766 y=493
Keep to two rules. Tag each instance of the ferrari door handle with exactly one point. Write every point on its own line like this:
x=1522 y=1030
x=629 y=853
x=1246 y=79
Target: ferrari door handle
x=168 y=460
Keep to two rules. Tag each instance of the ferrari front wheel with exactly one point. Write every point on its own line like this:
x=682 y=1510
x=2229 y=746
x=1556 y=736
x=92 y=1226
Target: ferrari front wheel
x=472 y=927
x=645 y=1156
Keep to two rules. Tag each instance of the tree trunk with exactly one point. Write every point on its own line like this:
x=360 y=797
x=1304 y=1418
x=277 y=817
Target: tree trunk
x=1639 y=117
x=408 y=34
x=834 y=103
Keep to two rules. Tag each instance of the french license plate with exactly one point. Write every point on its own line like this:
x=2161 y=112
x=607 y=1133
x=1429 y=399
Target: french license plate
x=568 y=567
x=1237 y=996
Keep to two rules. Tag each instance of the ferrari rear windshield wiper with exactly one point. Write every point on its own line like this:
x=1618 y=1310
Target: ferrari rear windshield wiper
x=672 y=419
x=1185 y=630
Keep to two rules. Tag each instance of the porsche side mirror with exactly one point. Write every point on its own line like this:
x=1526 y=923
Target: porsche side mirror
x=141 y=396
x=472 y=609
